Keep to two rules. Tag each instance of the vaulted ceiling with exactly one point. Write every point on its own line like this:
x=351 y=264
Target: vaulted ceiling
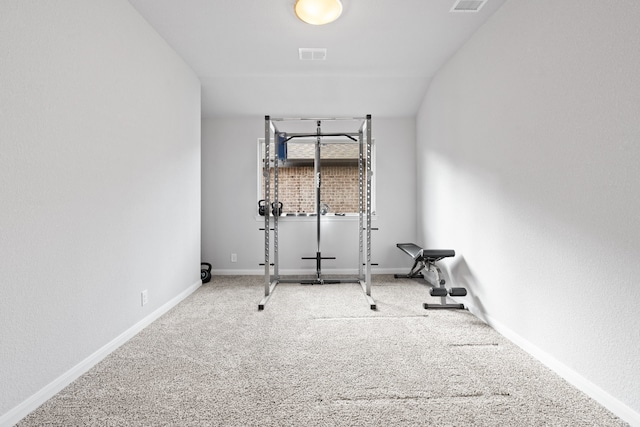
x=380 y=54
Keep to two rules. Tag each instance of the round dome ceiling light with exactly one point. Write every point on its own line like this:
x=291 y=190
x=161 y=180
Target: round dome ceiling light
x=318 y=12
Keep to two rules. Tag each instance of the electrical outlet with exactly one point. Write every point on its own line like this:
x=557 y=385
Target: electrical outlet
x=234 y=257
x=144 y=297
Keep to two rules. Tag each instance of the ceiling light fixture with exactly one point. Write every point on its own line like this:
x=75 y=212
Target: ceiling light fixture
x=318 y=12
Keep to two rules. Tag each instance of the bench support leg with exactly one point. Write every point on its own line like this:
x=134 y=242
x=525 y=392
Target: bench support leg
x=439 y=290
x=414 y=273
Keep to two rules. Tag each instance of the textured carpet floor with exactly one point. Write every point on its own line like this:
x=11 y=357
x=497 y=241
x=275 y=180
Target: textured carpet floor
x=317 y=356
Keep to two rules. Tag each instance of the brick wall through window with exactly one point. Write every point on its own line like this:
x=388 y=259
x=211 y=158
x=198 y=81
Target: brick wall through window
x=296 y=188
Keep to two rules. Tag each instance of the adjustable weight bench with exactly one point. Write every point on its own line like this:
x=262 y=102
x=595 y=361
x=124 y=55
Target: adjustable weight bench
x=427 y=258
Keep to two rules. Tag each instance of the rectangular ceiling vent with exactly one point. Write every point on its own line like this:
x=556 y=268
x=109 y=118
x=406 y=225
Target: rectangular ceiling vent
x=312 y=53
x=468 y=5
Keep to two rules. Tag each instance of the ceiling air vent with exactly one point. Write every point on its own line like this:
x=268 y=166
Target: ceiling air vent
x=312 y=53
x=468 y=5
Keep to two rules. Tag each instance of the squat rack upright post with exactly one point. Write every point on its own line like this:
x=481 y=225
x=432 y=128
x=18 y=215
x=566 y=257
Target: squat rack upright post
x=364 y=204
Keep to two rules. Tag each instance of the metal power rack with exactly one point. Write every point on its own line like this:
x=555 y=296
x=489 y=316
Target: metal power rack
x=271 y=162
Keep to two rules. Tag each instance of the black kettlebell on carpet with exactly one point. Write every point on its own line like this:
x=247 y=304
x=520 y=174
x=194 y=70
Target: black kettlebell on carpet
x=205 y=273
x=261 y=207
x=276 y=210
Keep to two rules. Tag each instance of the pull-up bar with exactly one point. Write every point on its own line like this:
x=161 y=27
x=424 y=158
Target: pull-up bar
x=291 y=136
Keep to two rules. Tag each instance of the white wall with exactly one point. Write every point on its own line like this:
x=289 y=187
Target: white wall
x=528 y=154
x=229 y=204
x=100 y=184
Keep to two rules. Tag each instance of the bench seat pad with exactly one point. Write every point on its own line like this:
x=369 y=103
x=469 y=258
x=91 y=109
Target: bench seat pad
x=416 y=252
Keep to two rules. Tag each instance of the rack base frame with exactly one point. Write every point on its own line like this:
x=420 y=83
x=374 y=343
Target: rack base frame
x=363 y=284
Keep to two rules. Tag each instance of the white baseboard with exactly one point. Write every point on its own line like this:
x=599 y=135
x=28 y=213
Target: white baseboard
x=51 y=389
x=574 y=378
x=345 y=271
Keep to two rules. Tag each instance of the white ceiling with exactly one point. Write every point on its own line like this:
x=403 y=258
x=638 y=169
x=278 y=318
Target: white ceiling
x=381 y=54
